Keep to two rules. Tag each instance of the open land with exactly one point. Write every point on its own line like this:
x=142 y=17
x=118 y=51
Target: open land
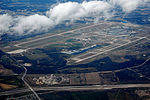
x=87 y=42
x=102 y=56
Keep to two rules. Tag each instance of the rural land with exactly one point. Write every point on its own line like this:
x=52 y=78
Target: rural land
x=107 y=60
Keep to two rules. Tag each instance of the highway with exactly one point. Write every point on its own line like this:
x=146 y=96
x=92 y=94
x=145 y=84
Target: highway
x=76 y=88
x=25 y=72
x=73 y=88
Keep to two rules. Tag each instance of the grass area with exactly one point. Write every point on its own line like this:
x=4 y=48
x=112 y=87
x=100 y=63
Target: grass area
x=35 y=55
x=78 y=70
x=71 y=40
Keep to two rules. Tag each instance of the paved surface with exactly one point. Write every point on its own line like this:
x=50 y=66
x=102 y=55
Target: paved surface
x=76 y=88
x=29 y=85
x=24 y=74
x=81 y=60
x=45 y=37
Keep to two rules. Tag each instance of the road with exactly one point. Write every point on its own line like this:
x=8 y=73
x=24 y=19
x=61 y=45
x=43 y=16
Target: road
x=77 y=88
x=74 y=88
x=133 y=66
x=25 y=72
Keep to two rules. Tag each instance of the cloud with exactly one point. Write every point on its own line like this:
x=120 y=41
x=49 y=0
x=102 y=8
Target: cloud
x=74 y=10
x=68 y=11
x=24 y=24
x=128 y=5
x=5 y=23
x=34 y=23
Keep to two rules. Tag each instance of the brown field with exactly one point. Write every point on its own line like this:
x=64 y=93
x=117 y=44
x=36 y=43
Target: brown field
x=82 y=78
x=74 y=79
x=92 y=78
x=7 y=86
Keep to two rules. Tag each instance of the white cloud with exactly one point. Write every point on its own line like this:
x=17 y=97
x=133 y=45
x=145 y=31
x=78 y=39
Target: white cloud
x=61 y=12
x=74 y=10
x=96 y=6
x=128 y=5
x=66 y=11
x=34 y=23
x=5 y=23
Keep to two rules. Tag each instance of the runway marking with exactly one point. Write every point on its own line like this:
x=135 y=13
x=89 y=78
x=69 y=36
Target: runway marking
x=106 y=51
x=71 y=31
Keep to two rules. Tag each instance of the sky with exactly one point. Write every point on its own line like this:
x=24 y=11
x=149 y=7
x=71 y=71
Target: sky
x=66 y=11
